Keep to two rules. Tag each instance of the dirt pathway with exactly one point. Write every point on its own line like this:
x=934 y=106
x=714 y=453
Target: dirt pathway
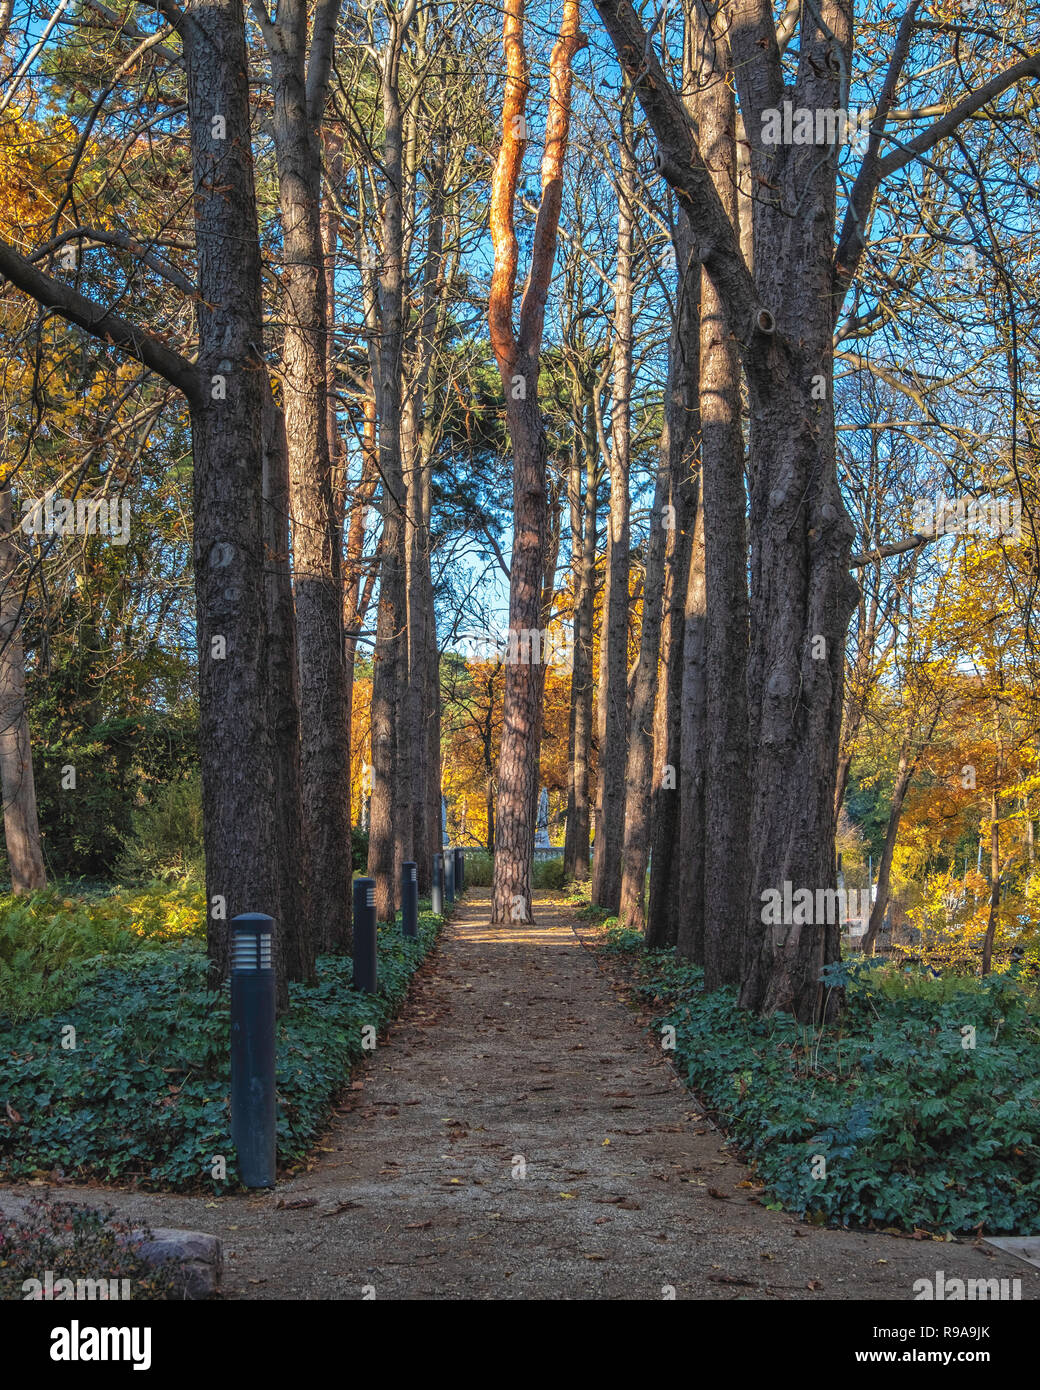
x=517 y=1136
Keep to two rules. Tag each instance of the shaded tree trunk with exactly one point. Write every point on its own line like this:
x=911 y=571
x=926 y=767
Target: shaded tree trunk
x=692 y=831
x=727 y=787
x=317 y=545
x=235 y=749
x=390 y=835
x=296 y=942
x=583 y=525
x=666 y=905
x=21 y=823
x=639 y=770
x=612 y=711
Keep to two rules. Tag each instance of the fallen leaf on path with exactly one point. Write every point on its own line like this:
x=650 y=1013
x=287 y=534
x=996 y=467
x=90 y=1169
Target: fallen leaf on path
x=419 y=1226
x=296 y=1203
x=714 y=1192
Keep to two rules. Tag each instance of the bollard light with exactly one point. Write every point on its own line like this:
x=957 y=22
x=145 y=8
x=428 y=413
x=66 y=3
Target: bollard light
x=365 y=968
x=437 y=887
x=253 y=1106
x=409 y=898
x=449 y=876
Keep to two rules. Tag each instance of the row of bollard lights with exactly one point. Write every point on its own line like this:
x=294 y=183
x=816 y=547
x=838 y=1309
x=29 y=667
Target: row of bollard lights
x=253 y=1102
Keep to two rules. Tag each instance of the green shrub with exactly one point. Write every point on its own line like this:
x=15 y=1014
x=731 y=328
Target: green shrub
x=165 y=840
x=358 y=850
x=924 y=1101
x=76 y=1243
x=50 y=944
x=547 y=873
x=480 y=870
x=144 y=1095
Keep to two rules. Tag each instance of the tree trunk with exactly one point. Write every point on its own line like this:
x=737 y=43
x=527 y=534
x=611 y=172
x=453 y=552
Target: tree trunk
x=296 y=942
x=639 y=769
x=517 y=355
x=317 y=545
x=235 y=750
x=666 y=905
x=612 y=714
x=690 y=934
x=521 y=722
x=727 y=788
x=21 y=824
x=904 y=775
x=994 y=885
x=576 y=853
x=390 y=835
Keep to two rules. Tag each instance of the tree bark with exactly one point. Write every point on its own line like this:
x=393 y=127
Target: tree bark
x=390 y=835
x=518 y=356
x=583 y=527
x=639 y=769
x=21 y=823
x=296 y=943
x=666 y=905
x=612 y=712
x=692 y=830
x=727 y=787
x=317 y=545
x=904 y=775
x=235 y=749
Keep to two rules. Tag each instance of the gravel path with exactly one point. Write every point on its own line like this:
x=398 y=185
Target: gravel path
x=518 y=1136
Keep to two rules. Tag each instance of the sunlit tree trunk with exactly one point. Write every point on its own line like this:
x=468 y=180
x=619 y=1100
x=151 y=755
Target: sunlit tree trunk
x=517 y=355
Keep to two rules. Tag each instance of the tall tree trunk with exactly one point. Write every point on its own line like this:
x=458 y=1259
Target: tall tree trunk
x=639 y=769
x=994 y=885
x=317 y=544
x=576 y=851
x=517 y=355
x=727 y=788
x=295 y=940
x=390 y=836
x=692 y=830
x=666 y=904
x=417 y=441
x=21 y=824
x=612 y=713
x=235 y=749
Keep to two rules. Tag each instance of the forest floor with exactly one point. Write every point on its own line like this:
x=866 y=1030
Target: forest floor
x=518 y=1053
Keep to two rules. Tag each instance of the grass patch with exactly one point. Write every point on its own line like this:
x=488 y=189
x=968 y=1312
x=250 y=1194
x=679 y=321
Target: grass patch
x=916 y=1127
